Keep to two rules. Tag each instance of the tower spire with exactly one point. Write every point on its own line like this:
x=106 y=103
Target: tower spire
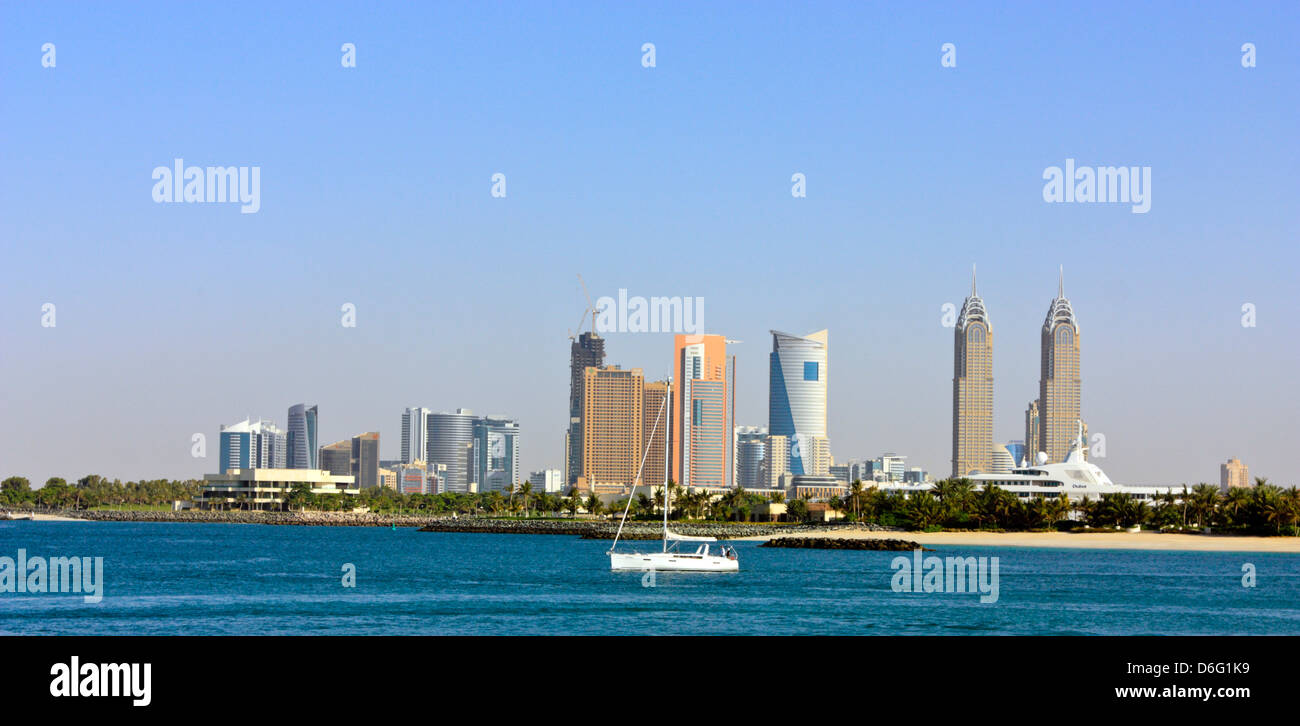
x=1060 y=285
x=972 y=280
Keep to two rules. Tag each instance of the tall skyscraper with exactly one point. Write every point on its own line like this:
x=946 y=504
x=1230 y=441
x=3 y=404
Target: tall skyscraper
x=796 y=405
x=415 y=435
x=450 y=442
x=1059 y=389
x=750 y=447
x=655 y=439
x=612 y=421
x=496 y=453
x=700 y=434
x=588 y=351
x=302 y=437
x=1032 y=439
x=252 y=445
x=972 y=388
x=1233 y=474
x=365 y=459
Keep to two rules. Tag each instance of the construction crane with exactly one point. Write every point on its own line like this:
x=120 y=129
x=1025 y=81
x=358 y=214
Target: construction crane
x=590 y=308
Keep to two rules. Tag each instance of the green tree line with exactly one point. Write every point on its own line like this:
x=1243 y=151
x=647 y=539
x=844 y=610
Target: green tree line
x=94 y=491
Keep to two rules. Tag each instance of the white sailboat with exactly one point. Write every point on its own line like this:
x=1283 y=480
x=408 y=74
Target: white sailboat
x=673 y=557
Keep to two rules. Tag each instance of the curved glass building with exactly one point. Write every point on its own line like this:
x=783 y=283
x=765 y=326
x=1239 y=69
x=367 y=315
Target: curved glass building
x=302 y=437
x=796 y=402
x=451 y=443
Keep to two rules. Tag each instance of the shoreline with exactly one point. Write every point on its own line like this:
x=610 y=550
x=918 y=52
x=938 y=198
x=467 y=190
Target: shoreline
x=1149 y=541
x=734 y=531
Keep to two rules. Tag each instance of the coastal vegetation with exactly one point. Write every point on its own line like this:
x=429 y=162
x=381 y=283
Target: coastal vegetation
x=94 y=491
x=953 y=504
x=1264 y=509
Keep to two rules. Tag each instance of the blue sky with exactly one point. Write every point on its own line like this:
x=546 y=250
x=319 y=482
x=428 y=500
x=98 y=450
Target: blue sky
x=672 y=180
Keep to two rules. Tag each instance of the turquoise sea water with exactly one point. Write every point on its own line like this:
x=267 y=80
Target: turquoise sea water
x=218 y=579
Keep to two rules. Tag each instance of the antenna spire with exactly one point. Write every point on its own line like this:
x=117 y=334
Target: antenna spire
x=1060 y=285
x=972 y=280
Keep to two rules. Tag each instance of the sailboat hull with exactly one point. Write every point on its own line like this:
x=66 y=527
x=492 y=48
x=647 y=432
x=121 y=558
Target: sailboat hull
x=671 y=562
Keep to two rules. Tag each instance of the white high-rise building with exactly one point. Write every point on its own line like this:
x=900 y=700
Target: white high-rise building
x=548 y=481
x=415 y=434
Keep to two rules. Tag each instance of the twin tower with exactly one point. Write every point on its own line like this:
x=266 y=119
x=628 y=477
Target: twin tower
x=1052 y=422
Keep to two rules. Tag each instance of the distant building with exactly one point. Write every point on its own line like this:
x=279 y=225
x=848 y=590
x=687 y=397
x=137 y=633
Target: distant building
x=416 y=478
x=496 y=453
x=587 y=351
x=415 y=434
x=700 y=432
x=655 y=440
x=1060 y=384
x=252 y=445
x=972 y=388
x=816 y=455
x=750 y=446
x=808 y=486
x=1018 y=452
x=267 y=488
x=1233 y=475
x=1032 y=439
x=864 y=471
x=777 y=462
x=915 y=475
x=1002 y=462
x=893 y=466
x=302 y=437
x=357 y=457
x=547 y=481
x=797 y=388
x=840 y=473
x=450 y=443
x=612 y=423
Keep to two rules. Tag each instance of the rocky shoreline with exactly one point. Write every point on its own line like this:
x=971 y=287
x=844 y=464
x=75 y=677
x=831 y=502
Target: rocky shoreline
x=317 y=519
x=831 y=543
x=636 y=530
x=585 y=528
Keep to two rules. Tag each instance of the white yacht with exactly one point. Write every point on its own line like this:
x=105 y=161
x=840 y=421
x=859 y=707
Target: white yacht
x=1075 y=478
x=672 y=558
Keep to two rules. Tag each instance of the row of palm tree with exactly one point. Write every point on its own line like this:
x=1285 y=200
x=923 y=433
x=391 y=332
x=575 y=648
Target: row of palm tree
x=957 y=503
x=95 y=491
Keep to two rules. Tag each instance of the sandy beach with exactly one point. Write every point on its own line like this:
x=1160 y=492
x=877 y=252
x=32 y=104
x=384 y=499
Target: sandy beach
x=1098 y=540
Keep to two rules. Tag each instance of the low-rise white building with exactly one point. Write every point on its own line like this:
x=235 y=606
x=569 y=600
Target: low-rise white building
x=267 y=488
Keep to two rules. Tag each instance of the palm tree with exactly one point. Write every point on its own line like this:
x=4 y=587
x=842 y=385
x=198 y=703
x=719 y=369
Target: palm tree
x=526 y=492
x=924 y=510
x=1236 y=502
x=1205 y=499
x=1057 y=508
x=594 y=505
x=856 y=493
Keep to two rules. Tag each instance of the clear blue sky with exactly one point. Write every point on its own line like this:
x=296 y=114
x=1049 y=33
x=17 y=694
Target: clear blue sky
x=675 y=180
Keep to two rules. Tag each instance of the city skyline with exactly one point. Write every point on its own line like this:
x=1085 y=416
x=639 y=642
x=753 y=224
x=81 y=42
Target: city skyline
x=913 y=171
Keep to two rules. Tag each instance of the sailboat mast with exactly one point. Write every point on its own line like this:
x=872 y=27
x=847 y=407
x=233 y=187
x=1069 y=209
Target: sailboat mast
x=667 y=467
